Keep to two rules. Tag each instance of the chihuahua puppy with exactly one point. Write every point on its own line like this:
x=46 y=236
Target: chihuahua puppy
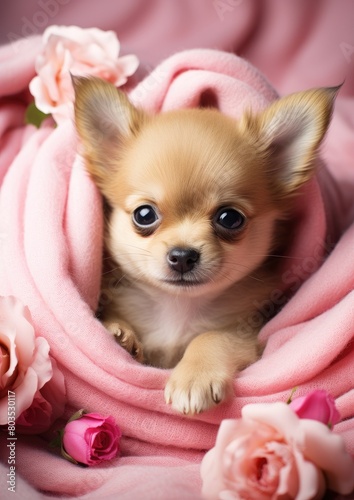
x=199 y=206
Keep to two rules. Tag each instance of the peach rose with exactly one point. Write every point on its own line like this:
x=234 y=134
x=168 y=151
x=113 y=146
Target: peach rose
x=80 y=52
x=48 y=405
x=273 y=454
x=25 y=367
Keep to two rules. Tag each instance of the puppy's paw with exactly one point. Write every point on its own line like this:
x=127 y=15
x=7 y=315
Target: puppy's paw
x=126 y=338
x=195 y=389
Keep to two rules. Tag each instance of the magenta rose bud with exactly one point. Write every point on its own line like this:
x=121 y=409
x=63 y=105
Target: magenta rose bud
x=91 y=439
x=317 y=405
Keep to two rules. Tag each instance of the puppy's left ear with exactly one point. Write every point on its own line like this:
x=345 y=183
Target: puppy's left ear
x=288 y=134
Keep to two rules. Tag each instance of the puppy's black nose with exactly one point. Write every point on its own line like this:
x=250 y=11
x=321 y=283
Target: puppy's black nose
x=182 y=260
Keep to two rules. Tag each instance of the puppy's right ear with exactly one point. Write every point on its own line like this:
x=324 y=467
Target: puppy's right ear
x=105 y=120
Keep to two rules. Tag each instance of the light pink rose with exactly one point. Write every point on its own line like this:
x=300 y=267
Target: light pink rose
x=317 y=405
x=92 y=439
x=81 y=52
x=48 y=405
x=25 y=365
x=273 y=454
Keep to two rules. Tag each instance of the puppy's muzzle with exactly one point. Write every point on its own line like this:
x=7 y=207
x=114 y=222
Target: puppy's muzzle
x=182 y=260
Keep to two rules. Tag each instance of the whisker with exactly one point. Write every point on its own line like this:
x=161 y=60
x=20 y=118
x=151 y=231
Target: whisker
x=138 y=248
x=275 y=255
x=111 y=271
x=124 y=254
x=119 y=281
x=119 y=267
x=110 y=257
x=239 y=266
x=251 y=276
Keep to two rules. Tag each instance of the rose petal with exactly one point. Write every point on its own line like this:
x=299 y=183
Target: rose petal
x=16 y=324
x=54 y=391
x=41 y=95
x=75 y=445
x=41 y=363
x=310 y=479
x=37 y=418
x=48 y=405
x=326 y=449
x=104 y=444
x=4 y=366
x=108 y=40
x=317 y=405
x=128 y=64
x=228 y=495
x=277 y=415
x=25 y=393
x=211 y=466
x=210 y=471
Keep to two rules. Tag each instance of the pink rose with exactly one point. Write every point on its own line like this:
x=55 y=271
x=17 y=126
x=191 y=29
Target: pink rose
x=48 y=405
x=25 y=365
x=273 y=454
x=317 y=405
x=91 y=439
x=26 y=369
x=81 y=52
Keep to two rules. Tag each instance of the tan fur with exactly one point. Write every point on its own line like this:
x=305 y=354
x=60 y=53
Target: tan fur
x=187 y=164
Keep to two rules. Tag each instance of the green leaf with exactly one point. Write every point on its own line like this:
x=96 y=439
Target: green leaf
x=34 y=116
x=67 y=456
x=56 y=442
x=77 y=415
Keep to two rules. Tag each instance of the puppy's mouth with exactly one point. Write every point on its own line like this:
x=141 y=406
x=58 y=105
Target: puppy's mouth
x=184 y=282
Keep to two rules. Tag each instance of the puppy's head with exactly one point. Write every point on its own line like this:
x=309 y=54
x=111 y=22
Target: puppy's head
x=196 y=196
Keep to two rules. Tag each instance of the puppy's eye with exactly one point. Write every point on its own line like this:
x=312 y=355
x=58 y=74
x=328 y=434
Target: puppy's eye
x=230 y=218
x=145 y=217
x=228 y=222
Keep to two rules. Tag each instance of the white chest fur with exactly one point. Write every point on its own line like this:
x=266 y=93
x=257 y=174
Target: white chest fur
x=165 y=324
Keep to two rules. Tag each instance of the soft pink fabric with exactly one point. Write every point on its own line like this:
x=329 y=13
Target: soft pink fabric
x=51 y=235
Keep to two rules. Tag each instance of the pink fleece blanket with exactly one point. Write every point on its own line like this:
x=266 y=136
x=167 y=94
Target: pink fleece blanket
x=51 y=229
